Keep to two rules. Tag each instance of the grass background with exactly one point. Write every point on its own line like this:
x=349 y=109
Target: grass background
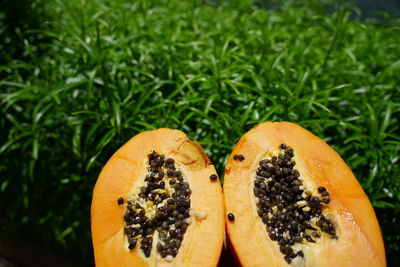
x=79 y=78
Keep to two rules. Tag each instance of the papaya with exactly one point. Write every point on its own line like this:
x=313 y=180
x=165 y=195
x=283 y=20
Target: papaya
x=291 y=200
x=158 y=202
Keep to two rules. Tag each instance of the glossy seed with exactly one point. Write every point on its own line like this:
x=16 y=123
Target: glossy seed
x=170 y=173
x=132 y=245
x=325 y=194
x=315 y=234
x=231 y=217
x=153 y=155
x=321 y=189
x=120 y=201
x=213 y=177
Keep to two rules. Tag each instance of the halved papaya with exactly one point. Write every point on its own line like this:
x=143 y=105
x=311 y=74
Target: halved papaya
x=158 y=202
x=291 y=200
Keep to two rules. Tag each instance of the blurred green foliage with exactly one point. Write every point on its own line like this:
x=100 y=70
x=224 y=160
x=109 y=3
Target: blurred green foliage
x=17 y=18
x=79 y=78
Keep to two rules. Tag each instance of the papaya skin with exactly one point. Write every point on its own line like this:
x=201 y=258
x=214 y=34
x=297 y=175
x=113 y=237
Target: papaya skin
x=125 y=170
x=359 y=240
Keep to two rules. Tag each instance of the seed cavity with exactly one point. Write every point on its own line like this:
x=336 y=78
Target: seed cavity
x=290 y=212
x=162 y=206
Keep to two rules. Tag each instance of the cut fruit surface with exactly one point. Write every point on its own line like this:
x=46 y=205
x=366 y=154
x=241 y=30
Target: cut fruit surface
x=158 y=202
x=291 y=200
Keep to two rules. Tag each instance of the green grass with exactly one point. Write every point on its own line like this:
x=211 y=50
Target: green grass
x=90 y=76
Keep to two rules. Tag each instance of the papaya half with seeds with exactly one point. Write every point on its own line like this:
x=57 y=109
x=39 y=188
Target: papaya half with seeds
x=291 y=200
x=158 y=202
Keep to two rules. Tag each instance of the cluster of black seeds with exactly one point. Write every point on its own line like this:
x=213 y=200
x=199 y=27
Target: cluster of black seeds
x=238 y=157
x=291 y=215
x=167 y=190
